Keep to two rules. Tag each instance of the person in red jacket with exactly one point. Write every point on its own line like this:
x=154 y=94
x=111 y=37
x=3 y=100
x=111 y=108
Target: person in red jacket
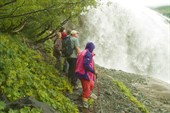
x=85 y=71
x=63 y=32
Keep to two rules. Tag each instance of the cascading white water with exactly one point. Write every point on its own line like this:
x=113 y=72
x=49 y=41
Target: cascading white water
x=133 y=39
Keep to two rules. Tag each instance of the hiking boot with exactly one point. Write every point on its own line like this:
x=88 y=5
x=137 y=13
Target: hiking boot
x=76 y=87
x=93 y=96
x=85 y=105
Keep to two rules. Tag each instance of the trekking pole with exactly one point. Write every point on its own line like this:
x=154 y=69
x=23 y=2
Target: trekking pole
x=98 y=90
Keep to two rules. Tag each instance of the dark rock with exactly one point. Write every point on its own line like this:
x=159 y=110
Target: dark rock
x=31 y=102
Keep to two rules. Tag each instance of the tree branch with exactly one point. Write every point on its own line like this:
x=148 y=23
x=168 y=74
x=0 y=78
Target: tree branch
x=51 y=35
x=42 y=32
x=21 y=26
x=25 y=14
x=17 y=8
x=10 y=2
x=70 y=2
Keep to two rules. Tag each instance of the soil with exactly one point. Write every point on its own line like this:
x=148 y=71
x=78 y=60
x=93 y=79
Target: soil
x=153 y=93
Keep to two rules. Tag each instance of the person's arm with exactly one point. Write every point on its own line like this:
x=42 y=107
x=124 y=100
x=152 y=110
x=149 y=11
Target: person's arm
x=77 y=46
x=87 y=60
x=77 y=50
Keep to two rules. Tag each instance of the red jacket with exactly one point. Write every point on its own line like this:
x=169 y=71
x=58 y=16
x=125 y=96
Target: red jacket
x=63 y=35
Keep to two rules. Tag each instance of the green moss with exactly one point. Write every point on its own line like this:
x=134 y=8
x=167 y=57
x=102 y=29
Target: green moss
x=128 y=93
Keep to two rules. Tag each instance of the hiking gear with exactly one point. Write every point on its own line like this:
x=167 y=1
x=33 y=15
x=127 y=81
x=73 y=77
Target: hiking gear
x=98 y=87
x=63 y=35
x=88 y=59
x=67 y=49
x=87 y=86
x=90 y=46
x=85 y=104
x=71 y=72
x=99 y=98
x=74 y=32
x=65 y=66
x=76 y=87
x=85 y=65
x=93 y=96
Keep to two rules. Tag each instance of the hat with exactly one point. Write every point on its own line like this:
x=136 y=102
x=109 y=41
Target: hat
x=90 y=46
x=73 y=32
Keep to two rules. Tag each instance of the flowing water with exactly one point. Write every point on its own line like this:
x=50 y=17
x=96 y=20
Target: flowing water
x=130 y=38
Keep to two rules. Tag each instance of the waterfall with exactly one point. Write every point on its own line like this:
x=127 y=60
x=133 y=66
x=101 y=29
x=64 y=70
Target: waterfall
x=130 y=38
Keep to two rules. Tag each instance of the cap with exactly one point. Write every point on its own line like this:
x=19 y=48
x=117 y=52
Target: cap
x=73 y=32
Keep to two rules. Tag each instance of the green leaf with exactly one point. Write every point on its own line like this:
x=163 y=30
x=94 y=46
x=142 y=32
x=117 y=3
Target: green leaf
x=2 y=105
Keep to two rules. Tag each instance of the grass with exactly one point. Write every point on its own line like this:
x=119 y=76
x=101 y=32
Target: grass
x=165 y=10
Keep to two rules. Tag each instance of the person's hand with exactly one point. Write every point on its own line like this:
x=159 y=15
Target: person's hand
x=95 y=72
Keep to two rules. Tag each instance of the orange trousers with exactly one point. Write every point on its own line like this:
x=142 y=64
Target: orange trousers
x=88 y=86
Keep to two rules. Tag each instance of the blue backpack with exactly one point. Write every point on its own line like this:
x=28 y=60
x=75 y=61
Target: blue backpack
x=67 y=49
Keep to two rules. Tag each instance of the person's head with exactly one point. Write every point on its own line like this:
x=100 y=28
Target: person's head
x=58 y=34
x=74 y=33
x=62 y=29
x=90 y=46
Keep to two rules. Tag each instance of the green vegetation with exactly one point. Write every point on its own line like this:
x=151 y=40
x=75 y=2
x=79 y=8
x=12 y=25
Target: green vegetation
x=2 y=105
x=23 y=73
x=35 y=18
x=128 y=93
x=165 y=10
